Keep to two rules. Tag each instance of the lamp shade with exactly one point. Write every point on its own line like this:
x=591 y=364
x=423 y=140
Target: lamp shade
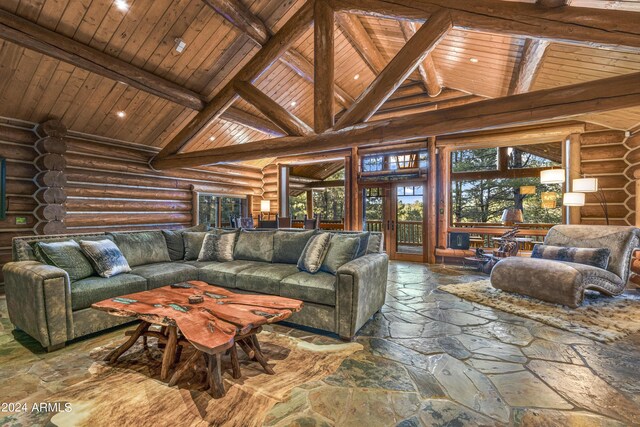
x=265 y=205
x=585 y=185
x=512 y=215
x=552 y=176
x=573 y=199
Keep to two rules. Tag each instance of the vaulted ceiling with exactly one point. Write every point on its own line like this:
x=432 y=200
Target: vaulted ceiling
x=470 y=66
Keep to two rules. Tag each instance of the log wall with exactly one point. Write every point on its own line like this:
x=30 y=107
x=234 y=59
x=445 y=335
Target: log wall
x=109 y=186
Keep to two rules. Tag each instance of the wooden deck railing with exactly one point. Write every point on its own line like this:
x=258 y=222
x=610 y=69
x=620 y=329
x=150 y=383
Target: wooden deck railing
x=483 y=234
x=408 y=233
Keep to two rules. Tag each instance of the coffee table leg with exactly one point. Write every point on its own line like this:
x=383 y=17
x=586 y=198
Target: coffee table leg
x=215 y=376
x=191 y=362
x=235 y=365
x=258 y=356
x=169 y=352
x=116 y=353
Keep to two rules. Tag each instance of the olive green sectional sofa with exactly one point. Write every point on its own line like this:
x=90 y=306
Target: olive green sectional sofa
x=45 y=303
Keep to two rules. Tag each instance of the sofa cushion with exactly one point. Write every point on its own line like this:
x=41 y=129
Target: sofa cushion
x=342 y=249
x=165 y=273
x=175 y=242
x=141 y=248
x=596 y=257
x=223 y=273
x=105 y=257
x=94 y=289
x=254 y=246
x=319 y=288
x=314 y=252
x=288 y=245
x=218 y=247
x=192 y=244
x=264 y=278
x=67 y=256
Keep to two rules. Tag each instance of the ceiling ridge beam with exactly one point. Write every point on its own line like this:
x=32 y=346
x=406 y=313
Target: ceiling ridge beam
x=238 y=15
x=272 y=110
x=525 y=73
x=534 y=107
x=397 y=71
x=574 y=25
x=263 y=59
x=360 y=40
x=427 y=68
x=244 y=118
x=34 y=37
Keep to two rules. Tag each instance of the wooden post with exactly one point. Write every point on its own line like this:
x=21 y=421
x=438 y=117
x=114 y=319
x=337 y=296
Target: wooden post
x=637 y=202
x=309 y=203
x=503 y=159
x=323 y=89
x=444 y=189
x=432 y=203
x=352 y=210
x=571 y=162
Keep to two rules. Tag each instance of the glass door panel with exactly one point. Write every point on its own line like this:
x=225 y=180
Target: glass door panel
x=374 y=209
x=409 y=220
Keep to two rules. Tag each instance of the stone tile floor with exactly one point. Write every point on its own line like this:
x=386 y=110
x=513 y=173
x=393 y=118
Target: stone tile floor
x=430 y=359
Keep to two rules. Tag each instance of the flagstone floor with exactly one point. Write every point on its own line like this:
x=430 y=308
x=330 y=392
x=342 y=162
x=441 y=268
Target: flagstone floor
x=430 y=359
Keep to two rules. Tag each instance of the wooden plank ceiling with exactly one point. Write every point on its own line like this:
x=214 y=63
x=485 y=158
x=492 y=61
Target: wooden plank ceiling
x=469 y=65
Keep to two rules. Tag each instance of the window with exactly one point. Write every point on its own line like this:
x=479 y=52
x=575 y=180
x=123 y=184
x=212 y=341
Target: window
x=372 y=163
x=217 y=211
x=395 y=163
x=329 y=203
x=484 y=159
x=298 y=205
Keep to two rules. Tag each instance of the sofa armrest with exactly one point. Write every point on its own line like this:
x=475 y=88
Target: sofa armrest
x=39 y=301
x=361 y=291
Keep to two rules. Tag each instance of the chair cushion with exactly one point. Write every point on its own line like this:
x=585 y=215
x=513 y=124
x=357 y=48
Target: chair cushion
x=596 y=257
x=94 y=289
x=175 y=242
x=223 y=273
x=288 y=245
x=254 y=246
x=165 y=273
x=314 y=252
x=67 y=256
x=105 y=257
x=141 y=248
x=319 y=288
x=342 y=249
x=264 y=278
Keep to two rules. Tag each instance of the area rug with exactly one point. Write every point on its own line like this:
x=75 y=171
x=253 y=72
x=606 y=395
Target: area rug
x=130 y=393
x=600 y=318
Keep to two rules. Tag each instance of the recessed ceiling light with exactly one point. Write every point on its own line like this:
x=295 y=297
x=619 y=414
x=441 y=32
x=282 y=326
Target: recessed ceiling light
x=122 y=5
x=356 y=77
x=211 y=138
x=294 y=103
x=121 y=114
x=474 y=60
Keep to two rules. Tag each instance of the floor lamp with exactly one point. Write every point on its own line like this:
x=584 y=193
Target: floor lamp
x=590 y=185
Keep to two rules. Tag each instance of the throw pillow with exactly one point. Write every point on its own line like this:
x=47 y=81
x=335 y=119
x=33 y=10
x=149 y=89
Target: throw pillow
x=218 y=247
x=23 y=251
x=192 y=244
x=140 y=248
x=597 y=257
x=175 y=241
x=375 y=244
x=105 y=256
x=364 y=242
x=288 y=245
x=254 y=246
x=67 y=256
x=342 y=249
x=314 y=252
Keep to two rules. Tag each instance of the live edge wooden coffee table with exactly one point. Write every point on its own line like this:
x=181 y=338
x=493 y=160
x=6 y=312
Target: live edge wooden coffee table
x=214 y=326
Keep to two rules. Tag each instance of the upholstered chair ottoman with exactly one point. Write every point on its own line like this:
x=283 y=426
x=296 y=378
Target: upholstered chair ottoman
x=563 y=280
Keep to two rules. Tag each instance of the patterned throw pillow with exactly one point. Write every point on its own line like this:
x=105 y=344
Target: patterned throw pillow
x=342 y=249
x=105 y=257
x=314 y=252
x=597 y=257
x=67 y=256
x=218 y=247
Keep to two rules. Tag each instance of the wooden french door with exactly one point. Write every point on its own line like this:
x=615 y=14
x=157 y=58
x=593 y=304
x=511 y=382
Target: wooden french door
x=397 y=210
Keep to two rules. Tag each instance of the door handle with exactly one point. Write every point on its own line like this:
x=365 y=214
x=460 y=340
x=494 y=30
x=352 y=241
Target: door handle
x=393 y=224
x=388 y=224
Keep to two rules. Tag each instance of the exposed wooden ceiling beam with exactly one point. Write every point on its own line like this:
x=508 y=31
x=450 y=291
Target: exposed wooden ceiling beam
x=324 y=59
x=358 y=37
x=529 y=65
x=427 y=67
x=236 y=115
x=585 y=26
x=270 y=52
x=396 y=72
x=274 y=111
x=424 y=106
x=253 y=27
x=553 y=3
x=34 y=37
x=533 y=107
